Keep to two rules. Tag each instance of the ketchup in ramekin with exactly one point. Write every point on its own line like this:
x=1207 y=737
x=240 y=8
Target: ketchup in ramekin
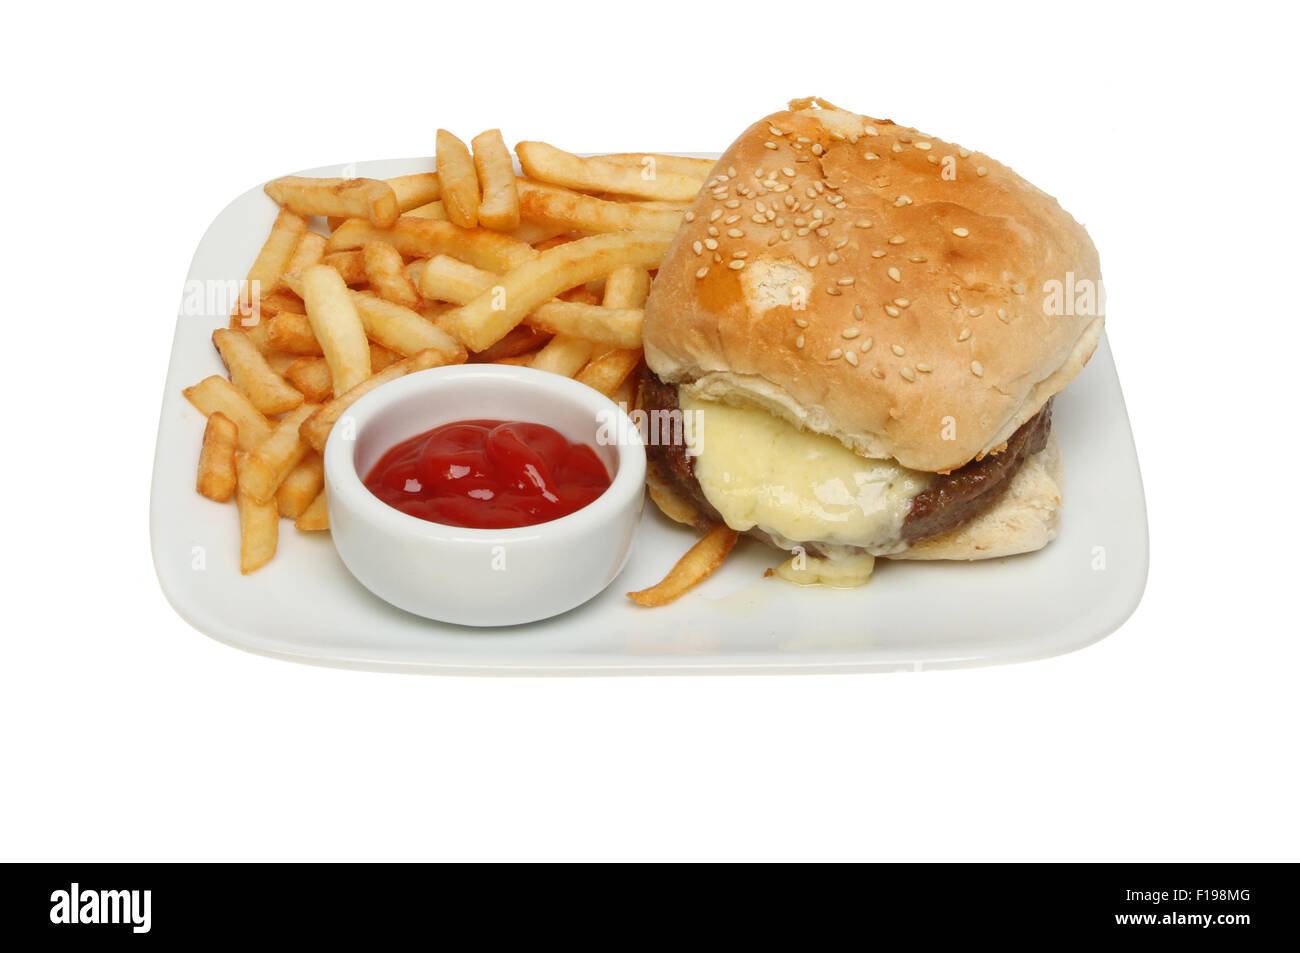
x=489 y=474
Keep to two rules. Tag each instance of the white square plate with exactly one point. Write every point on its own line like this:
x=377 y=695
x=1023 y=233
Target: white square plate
x=304 y=605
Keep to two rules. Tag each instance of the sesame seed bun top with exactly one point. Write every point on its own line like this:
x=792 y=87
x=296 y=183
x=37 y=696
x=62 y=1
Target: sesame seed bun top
x=868 y=281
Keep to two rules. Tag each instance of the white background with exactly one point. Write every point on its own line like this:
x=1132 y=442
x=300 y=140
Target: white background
x=124 y=734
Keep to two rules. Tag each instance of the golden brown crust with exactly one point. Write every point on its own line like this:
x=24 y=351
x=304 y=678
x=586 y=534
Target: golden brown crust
x=865 y=280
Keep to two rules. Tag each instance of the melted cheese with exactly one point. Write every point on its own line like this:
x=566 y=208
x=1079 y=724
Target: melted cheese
x=758 y=470
x=840 y=572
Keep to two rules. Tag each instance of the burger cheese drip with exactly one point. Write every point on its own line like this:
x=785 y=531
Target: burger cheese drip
x=799 y=487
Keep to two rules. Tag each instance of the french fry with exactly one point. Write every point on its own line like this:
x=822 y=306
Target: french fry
x=267 y=464
x=300 y=486
x=337 y=327
x=682 y=165
x=252 y=375
x=215 y=394
x=292 y=333
x=564 y=355
x=574 y=211
x=372 y=199
x=403 y=330
x=259 y=530
x=281 y=300
x=490 y=316
x=548 y=164
x=435 y=210
x=316 y=428
x=216 y=478
x=445 y=279
x=611 y=327
x=459 y=181
x=412 y=191
x=311 y=375
x=519 y=341
x=310 y=251
x=316 y=517
x=700 y=562
x=609 y=370
x=270 y=263
x=521 y=360
x=350 y=264
x=499 y=207
x=279 y=361
x=424 y=238
x=626 y=287
x=386 y=274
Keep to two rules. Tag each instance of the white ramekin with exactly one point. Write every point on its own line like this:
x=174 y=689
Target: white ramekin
x=482 y=577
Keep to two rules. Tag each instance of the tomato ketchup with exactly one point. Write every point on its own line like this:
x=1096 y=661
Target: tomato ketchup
x=489 y=474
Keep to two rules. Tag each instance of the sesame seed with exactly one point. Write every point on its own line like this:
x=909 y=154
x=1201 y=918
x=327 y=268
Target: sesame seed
x=961 y=232
x=878 y=253
x=923 y=145
x=851 y=358
x=865 y=346
x=740 y=254
x=832 y=290
x=769 y=145
x=892 y=311
x=798 y=342
x=850 y=333
x=715 y=215
x=965 y=334
x=787 y=172
x=907 y=374
x=735 y=233
x=975 y=312
x=862 y=223
x=857 y=312
x=845 y=281
x=800 y=322
x=832 y=258
x=775 y=131
x=924 y=368
x=977 y=368
x=736 y=264
x=902 y=302
x=690 y=216
x=952 y=296
x=895 y=274
x=835 y=355
x=870 y=131
x=702 y=272
x=897 y=349
x=869 y=156
x=964 y=153
x=698 y=246
x=902 y=200
x=897 y=240
x=817 y=149
x=732 y=203
x=1018 y=288
x=982 y=171
x=713 y=231
x=711 y=244
x=730 y=219
x=877 y=373
x=1002 y=316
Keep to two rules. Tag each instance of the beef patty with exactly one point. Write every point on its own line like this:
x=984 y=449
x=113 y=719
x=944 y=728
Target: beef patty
x=950 y=500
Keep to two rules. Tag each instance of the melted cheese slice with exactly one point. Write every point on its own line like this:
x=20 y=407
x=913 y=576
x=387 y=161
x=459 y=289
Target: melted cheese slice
x=758 y=470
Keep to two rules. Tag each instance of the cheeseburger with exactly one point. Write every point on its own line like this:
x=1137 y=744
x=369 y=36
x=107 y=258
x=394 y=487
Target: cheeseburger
x=859 y=321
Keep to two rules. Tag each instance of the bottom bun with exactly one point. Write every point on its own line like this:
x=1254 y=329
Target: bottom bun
x=1024 y=520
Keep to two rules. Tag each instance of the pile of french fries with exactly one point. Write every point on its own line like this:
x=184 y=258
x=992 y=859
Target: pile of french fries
x=364 y=280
